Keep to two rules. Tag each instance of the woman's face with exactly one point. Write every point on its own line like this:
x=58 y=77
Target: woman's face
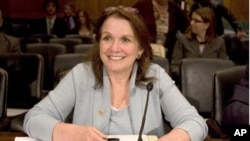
x=82 y=18
x=119 y=47
x=197 y=24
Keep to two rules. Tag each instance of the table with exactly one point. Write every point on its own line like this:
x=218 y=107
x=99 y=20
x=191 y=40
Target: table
x=10 y=136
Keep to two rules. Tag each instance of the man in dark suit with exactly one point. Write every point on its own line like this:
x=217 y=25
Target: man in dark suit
x=51 y=23
x=8 y=44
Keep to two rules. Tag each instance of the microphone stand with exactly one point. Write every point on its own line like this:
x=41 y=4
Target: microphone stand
x=149 y=88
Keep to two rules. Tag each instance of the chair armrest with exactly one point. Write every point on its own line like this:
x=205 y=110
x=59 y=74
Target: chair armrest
x=215 y=130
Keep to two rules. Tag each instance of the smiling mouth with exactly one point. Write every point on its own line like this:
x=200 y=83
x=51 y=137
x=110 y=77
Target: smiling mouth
x=116 y=57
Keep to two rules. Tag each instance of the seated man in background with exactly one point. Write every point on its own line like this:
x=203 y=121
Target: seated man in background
x=69 y=16
x=8 y=44
x=51 y=23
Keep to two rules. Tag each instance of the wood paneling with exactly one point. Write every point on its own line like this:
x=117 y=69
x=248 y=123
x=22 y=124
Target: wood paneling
x=95 y=7
x=33 y=8
x=240 y=9
x=24 y=8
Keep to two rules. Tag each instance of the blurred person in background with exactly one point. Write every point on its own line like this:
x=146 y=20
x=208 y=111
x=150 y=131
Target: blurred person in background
x=199 y=41
x=163 y=19
x=83 y=24
x=51 y=23
x=69 y=16
x=221 y=12
x=8 y=44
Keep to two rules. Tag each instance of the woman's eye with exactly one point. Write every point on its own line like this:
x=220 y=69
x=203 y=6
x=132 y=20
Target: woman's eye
x=106 y=38
x=126 y=40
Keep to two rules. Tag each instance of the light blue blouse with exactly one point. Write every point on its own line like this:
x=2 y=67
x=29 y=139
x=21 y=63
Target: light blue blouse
x=92 y=106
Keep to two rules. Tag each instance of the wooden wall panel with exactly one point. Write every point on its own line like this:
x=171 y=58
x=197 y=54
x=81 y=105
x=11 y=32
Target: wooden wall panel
x=33 y=8
x=240 y=9
x=95 y=7
x=27 y=9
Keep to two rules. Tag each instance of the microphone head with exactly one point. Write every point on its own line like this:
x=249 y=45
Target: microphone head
x=149 y=86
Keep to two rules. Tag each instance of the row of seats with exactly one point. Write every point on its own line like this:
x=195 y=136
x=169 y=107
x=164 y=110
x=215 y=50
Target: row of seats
x=200 y=78
x=208 y=85
x=23 y=84
x=49 y=51
x=69 y=42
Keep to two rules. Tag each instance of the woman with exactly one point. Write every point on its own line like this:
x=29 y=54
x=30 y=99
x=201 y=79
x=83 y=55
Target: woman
x=108 y=93
x=83 y=24
x=199 y=41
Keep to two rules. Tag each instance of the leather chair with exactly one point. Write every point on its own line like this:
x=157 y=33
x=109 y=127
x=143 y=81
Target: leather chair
x=4 y=121
x=196 y=81
x=82 y=48
x=64 y=62
x=44 y=37
x=85 y=39
x=48 y=51
x=25 y=73
x=26 y=40
x=68 y=42
x=163 y=62
x=196 y=76
x=223 y=87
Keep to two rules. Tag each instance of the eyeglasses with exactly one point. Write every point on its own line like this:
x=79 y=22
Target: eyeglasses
x=127 y=9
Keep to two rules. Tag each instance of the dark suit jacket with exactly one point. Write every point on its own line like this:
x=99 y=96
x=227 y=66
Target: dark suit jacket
x=177 y=21
x=59 y=27
x=9 y=44
x=185 y=48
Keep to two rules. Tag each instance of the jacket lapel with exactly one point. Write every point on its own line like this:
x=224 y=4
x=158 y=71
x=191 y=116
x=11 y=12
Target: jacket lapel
x=102 y=106
x=195 y=47
x=136 y=105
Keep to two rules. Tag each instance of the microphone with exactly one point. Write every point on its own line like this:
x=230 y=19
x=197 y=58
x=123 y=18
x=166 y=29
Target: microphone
x=149 y=88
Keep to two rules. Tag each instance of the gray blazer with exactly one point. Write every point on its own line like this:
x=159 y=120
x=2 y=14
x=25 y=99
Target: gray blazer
x=9 y=44
x=185 y=48
x=93 y=107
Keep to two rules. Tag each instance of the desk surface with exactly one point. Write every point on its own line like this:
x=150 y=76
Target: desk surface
x=10 y=136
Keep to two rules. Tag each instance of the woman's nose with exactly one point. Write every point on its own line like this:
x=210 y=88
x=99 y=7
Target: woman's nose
x=115 y=46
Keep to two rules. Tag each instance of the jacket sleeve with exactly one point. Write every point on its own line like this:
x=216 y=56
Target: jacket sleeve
x=229 y=17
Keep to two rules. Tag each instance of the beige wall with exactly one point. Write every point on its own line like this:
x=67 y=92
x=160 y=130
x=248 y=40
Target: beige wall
x=94 y=7
x=240 y=8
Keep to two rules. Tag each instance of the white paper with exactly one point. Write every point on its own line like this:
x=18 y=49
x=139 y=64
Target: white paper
x=25 y=139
